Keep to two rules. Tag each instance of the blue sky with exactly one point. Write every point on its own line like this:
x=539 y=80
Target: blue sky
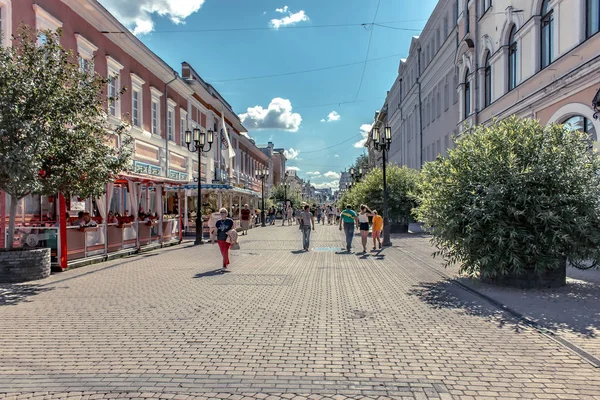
x=306 y=113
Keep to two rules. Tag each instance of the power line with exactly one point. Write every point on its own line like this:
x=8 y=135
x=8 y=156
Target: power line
x=335 y=145
x=289 y=27
x=362 y=75
x=304 y=71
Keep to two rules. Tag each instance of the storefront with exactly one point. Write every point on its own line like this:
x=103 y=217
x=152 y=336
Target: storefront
x=136 y=211
x=214 y=197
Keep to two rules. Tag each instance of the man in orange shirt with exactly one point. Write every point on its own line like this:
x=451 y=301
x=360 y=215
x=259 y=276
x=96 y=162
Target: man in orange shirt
x=377 y=228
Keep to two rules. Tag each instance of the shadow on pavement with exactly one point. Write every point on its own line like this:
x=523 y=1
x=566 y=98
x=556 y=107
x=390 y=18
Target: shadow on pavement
x=208 y=273
x=11 y=295
x=298 y=251
x=574 y=308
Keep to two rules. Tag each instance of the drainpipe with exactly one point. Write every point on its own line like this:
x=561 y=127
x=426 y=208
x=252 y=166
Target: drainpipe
x=475 y=43
x=175 y=76
x=420 y=111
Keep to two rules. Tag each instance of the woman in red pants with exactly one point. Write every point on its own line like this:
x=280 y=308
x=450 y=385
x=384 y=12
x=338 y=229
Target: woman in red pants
x=223 y=226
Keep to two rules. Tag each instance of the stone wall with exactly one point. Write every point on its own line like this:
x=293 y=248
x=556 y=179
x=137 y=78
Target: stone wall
x=24 y=265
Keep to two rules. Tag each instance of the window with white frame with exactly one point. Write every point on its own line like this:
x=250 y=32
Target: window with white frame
x=182 y=126
x=154 y=117
x=467 y=94
x=513 y=52
x=45 y=21
x=547 y=34
x=155 y=110
x=592 y=12
x=85 y=51
x=137 y=100
x=171 y=120
x=446 y=97
x=5 y=22
x=113 y=73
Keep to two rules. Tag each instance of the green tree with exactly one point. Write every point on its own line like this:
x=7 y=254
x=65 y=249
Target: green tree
x=55 y=135
x=401 y=184
x=514 y=197
x=278 y=194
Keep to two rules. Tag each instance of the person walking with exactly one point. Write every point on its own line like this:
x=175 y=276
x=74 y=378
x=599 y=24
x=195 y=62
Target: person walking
x=331 y=215
x=349 y=219
x=319 y=214
x=224 y=225
x=245 y=219
x=307 y=218
x=289 y=214
x=377 y=228
x=363 y=223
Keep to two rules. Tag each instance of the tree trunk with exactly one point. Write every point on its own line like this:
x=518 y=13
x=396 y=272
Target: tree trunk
x=11 y=221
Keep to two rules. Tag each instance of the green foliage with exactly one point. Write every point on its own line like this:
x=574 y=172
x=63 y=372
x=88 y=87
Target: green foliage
x=279 y=193
x=55 y=135
x=401 y=184
x=514 y=196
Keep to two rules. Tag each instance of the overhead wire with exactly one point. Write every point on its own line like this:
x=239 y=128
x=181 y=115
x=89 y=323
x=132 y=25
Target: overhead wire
x=304 y=71
x=362 y=75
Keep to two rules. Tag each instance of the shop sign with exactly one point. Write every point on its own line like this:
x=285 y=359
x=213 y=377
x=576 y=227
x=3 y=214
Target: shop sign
x=180 y=176
x=143 y=168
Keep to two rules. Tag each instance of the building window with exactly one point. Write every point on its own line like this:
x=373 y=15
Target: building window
x=439 y=104
x=487 y=84
x=512 y=59
x=547 y=41
x=445 y=27
x=486 y=5
x=582 y=124
x=170 y=117
x=137 y=100
x=135 y=108
x=467 y=19
x=455 y=90
x=155 y=117
x=113 y=70
x=86 y=50
x=182 y=131
x=446 y=97
x=112 y=95
x=467 y=93
x=592 y=17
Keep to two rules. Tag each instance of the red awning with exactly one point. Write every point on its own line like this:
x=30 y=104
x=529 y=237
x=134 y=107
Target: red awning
x=123 y=178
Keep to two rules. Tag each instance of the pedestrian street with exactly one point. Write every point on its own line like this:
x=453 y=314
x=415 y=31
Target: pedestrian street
x=283 y=324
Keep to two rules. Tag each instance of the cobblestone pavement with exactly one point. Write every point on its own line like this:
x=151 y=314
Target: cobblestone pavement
x=283 y=324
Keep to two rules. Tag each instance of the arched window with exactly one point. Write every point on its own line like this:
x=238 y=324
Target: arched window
x=487 y=83
x=513 y=51
x=467 y=100
x=547 y=41
x=582 y=124
x=592 y=17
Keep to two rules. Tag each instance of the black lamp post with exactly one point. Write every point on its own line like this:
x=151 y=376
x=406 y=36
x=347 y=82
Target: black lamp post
x=382 y=143
x=596 y=104
x=262 y=174
x=284 y=212
x=200 y=139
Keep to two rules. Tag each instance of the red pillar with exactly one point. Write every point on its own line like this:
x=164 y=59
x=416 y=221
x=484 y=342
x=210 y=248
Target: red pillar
x=180 y=215
x=2 y=219
x=62 y=232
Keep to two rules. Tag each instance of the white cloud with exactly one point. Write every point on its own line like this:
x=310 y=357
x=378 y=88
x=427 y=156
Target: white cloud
x=137 y=15
x=290 y=19
x=365 y=129
x=325 y=185
x=313 y=173
x=336 y=155
x=332 y=175
x=291 y=154
x=278 y=115
x=333 y=116
x=292 y=168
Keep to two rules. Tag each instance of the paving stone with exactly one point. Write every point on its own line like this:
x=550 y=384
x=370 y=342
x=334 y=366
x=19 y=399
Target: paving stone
x=283 y=324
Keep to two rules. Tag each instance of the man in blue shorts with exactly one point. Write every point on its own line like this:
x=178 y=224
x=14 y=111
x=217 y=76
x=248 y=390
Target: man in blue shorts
x=349 y=219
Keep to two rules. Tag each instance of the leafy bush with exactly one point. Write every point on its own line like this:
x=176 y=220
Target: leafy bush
x=402 y=185
x=512 y=197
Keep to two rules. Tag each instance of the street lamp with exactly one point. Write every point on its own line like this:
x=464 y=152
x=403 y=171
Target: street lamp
x=284 y=212
x=382 y=143
x=596 y=104
x=262 y=174
x=200 y=140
